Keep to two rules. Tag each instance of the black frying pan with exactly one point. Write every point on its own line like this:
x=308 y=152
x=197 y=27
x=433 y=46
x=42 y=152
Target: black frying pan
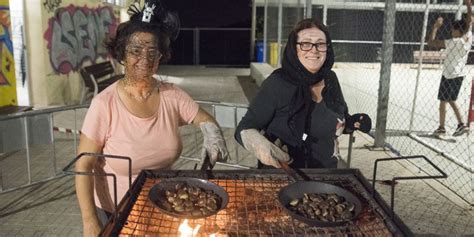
x=157 y=194
x=297 y=189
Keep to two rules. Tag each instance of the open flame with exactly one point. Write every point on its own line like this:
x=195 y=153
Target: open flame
x=186 y=230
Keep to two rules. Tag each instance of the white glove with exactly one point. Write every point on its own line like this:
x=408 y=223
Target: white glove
x=267 y=152
x=214 y=144
x=341 y=124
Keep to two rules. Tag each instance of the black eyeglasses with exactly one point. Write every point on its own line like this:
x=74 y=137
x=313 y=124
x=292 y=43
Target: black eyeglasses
x=307 y=46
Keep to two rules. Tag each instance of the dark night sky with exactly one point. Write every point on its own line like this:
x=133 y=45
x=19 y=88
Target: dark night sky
x=211 y=13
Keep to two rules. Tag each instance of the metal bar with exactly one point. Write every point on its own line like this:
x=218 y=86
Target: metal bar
x=215 y=29
x=42 y=111
x=420 y=62
x=53 y=142
x=309 y=8
x=27 y=146
x=196 y=46
x=394 y=179
x=385 y=70
x=222 y=103
x=349 y=149
x=75 y=129
x=218 y=163
x=236 y=144
x=375 y=42
x=459 y=11
x=279 y=30
x=265 y=17
x=252 y=32
x=325 y=16
x=67 y=170
x=441 y=153
x=364 y=5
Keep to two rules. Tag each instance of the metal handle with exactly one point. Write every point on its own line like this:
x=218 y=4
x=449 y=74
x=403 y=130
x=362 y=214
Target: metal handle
x=67 y=171
x=394 y=179
x=294 y=174
x=206 y=167
x=289 y=171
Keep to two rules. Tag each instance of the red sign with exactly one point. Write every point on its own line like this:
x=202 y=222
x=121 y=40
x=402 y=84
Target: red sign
x=471 y=106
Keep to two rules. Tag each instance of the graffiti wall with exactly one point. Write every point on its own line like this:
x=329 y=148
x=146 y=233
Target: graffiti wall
x=76 y=34
x=7 y=68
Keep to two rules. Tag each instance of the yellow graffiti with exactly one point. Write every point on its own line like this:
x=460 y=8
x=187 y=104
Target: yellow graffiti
x=7 y=67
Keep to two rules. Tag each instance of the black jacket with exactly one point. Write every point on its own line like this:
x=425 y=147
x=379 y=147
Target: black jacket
x=269 y=112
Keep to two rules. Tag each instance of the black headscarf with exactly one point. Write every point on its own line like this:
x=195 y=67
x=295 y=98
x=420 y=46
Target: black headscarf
x=298 y=75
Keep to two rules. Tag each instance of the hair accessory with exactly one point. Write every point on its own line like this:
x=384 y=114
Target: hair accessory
x=134 y=8
x=152 y=12
x=148 y=12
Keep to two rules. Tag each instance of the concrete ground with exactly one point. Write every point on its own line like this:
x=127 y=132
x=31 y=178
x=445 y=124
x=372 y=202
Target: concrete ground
x=50 y=208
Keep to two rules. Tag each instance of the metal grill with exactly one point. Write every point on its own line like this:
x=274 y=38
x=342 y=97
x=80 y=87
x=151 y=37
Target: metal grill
x=253 y=208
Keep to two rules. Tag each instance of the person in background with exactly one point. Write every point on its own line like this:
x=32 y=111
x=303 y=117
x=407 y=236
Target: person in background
x=299 y=109
x=454 y=69
x=138 y=116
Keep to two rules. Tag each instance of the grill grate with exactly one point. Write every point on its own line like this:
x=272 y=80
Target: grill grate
x=253 y=210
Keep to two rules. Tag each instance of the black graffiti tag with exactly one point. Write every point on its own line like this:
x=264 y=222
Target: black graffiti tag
x=51 y=5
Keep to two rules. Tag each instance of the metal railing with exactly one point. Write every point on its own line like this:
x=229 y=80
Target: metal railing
x=28 y=131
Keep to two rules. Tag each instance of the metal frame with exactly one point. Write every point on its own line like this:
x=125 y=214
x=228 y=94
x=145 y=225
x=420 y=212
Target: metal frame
x=394 y=179
x=113 y=226
x=67 y=170
x=23 y=116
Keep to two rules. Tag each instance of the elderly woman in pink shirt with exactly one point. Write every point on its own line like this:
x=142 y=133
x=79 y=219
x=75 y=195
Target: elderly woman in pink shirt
x=137 y=116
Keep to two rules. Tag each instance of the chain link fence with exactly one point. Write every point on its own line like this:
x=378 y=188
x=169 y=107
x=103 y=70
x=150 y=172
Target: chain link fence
x=357 y=30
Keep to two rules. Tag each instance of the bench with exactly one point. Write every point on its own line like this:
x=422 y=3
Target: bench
x=97 y=77
x=434 y=57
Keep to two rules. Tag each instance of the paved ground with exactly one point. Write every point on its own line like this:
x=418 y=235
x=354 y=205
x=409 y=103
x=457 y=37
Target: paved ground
x=50 y=208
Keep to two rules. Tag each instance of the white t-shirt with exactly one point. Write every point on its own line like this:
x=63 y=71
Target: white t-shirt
x=456 y=53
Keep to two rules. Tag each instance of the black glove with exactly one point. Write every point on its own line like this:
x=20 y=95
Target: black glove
x=365 y=123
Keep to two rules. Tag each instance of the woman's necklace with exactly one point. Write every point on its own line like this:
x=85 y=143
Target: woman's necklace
x=143 y=96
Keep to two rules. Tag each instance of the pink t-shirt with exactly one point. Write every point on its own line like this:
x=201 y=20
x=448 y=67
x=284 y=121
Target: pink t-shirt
x=151 y=143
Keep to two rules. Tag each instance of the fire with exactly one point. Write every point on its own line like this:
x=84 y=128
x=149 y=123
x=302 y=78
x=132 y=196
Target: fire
x=187 y=231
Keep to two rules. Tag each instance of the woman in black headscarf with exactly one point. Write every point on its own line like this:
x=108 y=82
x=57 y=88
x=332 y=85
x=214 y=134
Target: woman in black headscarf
x=300 y=106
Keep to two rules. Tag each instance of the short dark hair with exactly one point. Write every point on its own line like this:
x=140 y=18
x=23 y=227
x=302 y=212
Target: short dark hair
x=116 y=45
x=460 y=25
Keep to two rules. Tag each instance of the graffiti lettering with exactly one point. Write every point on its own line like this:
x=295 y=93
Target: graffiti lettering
x=7 y=72
x=77 y=34
x=51 y=5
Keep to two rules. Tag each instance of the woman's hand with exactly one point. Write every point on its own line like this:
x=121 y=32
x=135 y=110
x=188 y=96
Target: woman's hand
x=438 y=23
x=214 y=144
x=267 y=152
x=317 y=91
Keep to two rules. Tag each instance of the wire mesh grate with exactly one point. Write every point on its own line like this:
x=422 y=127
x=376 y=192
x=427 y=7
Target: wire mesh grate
x=254 y=210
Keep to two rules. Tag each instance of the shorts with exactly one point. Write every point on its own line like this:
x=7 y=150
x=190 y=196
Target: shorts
x=449 y=88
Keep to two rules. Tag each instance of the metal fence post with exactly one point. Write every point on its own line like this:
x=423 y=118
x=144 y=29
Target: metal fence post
x=280 y=26
x=252 y=32
x=385 y=69
x=420 y=63
x=309 y=8
x=196 y=46
x=27 y=146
